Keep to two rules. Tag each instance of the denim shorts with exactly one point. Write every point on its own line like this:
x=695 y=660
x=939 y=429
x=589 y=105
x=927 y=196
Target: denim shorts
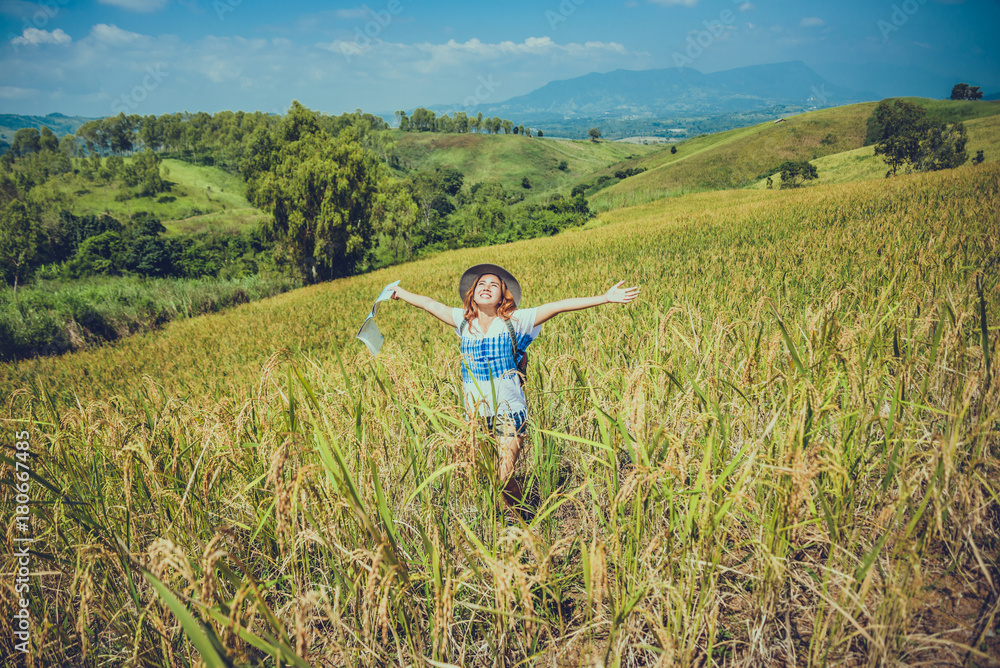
x=502 y=423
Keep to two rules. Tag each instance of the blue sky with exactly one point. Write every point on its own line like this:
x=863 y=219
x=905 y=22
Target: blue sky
x=98 y=57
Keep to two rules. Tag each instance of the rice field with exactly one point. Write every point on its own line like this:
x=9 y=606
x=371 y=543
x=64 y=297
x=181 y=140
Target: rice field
x=785 y=453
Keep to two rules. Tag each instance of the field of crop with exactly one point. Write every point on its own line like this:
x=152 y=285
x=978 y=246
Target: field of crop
x=508 y=159
x=785 y=453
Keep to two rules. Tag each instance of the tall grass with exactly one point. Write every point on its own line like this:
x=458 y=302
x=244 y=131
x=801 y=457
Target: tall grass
x=51 y=317
x=785 y=453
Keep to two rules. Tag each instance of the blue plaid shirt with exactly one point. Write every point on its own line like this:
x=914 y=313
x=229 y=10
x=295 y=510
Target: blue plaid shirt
x=489 y=370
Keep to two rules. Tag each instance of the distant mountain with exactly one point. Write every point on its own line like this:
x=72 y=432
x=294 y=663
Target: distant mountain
x=58 y=123
x=672 y=93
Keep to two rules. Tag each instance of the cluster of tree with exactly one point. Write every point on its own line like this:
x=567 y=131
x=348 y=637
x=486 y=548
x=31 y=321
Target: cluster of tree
x=140 y=248
x=38 y=155
x=425 y=120
x=605 y=180
x=336 y=206
x=450 y=215
x=795 y=172
x=338 y=210
x=628 y=171
x=99 y=244
x=141 y=174
x=963 y=91
x=320 y=191
x=221 y=139
x=904 y=134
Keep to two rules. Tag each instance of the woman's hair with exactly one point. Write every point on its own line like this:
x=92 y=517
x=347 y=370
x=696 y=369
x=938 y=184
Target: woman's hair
x=505 y=308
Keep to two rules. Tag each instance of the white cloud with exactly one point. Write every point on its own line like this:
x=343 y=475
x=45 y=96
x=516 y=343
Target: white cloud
x=812 y=22
x=746 y=6
x=667 y=3
x=113 y=35
x=34 y=37
x=15 y=93
x=136 y=5
x=452 y=51
x=113 y=69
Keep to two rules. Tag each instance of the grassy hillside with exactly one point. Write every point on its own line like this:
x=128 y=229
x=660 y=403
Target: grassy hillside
x=200 y=198
x=784 y=453
x=738 y=158
x=862 y=163
x=507 y=159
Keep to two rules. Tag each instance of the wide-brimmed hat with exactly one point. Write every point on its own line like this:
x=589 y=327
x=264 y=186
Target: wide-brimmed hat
x=472 y=274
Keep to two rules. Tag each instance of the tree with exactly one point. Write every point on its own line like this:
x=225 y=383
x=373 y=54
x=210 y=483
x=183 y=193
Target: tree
x=102 y=255
x=963 y=91
x=673 y=150
x=903 y=135
x=895 y=130
x=422 y=120
x=20 y=237
x=431 y=190
x=48 y=141
x=395 y=216
x=119 y=131
x=594 y=134
x=146 y=167
x=320 y=193
x=26 y=141
x=540 y=134
x=149 y=256
x=941 y=146
x=450 y=178
x=792 y=171
x=69 y=146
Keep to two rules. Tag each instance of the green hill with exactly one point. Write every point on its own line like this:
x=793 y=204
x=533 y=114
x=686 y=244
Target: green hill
x=507 y=159
x=200 y=198
x=861 y=164
x=742 y=157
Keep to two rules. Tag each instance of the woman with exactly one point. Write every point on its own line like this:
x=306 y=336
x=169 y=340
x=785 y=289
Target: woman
x=494 y=334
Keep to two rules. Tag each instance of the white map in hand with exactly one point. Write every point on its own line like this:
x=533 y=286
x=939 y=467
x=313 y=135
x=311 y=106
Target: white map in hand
x=369 y=333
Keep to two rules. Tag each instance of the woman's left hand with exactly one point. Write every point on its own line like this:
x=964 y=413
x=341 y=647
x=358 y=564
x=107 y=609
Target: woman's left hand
x=616 y=294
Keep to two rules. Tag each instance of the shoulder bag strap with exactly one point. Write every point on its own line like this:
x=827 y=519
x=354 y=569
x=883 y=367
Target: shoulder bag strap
x=513 y=338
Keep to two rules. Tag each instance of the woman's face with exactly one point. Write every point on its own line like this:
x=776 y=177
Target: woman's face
x=488 y=292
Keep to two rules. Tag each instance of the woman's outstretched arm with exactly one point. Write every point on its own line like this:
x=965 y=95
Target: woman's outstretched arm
x=436 y=309
x=615 y=295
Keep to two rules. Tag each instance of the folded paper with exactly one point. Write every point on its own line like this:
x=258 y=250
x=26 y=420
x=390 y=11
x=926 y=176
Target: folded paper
x=369 y=333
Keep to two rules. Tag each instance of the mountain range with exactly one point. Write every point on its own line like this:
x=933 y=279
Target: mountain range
x=672 y=93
